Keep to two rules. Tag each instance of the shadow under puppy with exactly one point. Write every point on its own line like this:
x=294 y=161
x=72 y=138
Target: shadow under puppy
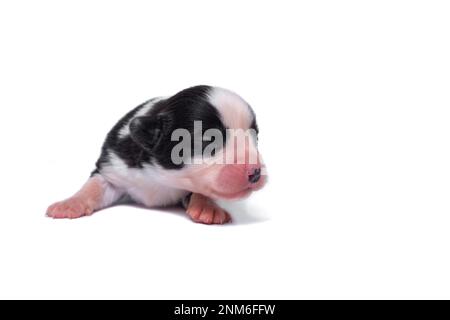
x=143 y=158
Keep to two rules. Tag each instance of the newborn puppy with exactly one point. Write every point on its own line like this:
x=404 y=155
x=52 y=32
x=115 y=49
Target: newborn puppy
x=192 y=148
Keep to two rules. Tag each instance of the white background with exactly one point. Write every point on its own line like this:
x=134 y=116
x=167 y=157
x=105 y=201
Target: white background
x=353 y=103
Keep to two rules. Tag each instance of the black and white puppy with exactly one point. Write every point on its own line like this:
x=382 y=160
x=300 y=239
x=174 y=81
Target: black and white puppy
x=186 y=149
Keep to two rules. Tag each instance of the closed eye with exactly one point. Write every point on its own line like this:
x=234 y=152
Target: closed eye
x=254 y=126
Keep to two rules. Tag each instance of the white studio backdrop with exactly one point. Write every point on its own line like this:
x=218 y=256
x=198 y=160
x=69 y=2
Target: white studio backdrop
x=353 y=105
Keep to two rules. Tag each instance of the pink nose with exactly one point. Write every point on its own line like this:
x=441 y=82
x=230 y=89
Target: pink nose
x=254 y=173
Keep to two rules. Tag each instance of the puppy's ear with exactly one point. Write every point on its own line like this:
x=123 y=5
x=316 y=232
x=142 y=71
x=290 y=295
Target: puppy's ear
x=150 y=131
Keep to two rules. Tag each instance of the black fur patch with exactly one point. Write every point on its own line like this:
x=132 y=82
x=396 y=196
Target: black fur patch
x=183 y=109
x=178 y=111
x=123 y=147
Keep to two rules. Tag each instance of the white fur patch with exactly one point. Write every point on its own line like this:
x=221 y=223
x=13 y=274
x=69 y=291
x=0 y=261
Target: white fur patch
x=144 y=185
x=234 y=110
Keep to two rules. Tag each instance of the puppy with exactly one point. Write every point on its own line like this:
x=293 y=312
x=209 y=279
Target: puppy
x=192 y=148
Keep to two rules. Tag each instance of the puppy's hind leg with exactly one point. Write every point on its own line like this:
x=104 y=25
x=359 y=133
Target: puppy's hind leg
x=97 y=193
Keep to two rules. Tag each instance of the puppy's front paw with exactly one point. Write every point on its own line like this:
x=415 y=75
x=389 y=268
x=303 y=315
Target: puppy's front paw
x=203 y=210
x=71 y=208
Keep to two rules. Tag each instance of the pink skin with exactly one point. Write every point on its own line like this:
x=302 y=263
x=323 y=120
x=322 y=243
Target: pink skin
x=83 y=203
x=202 y=210
x=233 y=181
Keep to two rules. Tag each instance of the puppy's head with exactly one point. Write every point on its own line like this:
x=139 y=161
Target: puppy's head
x=203 y=139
